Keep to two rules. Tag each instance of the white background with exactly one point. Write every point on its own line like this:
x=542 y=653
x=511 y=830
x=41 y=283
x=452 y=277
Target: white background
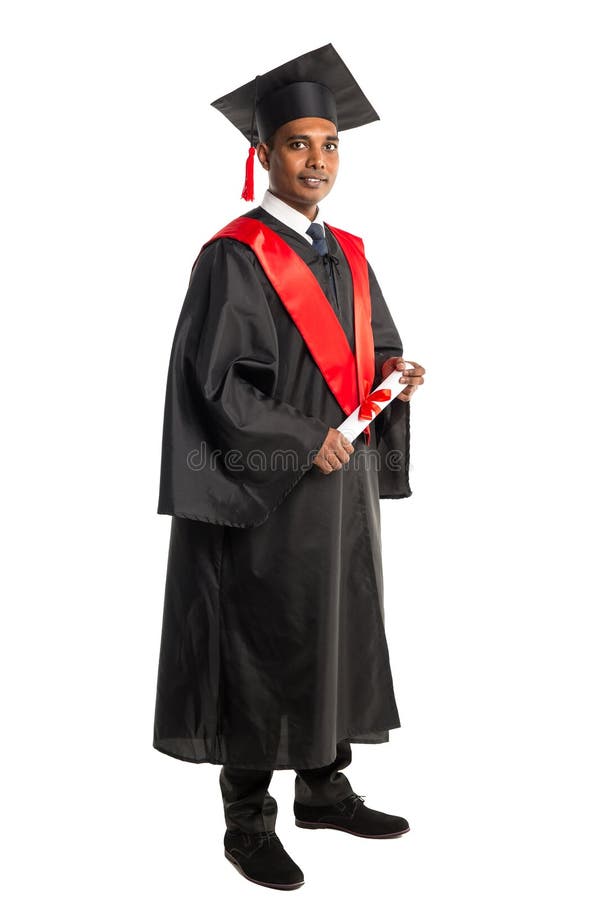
x=477 y=194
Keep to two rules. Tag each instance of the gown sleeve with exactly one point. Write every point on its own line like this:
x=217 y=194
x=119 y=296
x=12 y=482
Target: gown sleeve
x=232 y=449
x=392 y=425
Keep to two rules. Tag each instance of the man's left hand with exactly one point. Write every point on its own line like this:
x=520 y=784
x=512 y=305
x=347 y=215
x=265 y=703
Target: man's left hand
x=412 y=380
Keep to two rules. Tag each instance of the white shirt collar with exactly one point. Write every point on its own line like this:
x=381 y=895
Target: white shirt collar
x=289 y=216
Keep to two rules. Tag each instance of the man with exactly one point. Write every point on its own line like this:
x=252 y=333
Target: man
x=273 y=650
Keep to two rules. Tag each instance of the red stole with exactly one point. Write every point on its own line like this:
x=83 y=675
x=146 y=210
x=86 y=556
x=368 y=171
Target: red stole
x=349 y=377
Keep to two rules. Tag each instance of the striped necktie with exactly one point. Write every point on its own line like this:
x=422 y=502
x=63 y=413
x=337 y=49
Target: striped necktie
x=317 y=233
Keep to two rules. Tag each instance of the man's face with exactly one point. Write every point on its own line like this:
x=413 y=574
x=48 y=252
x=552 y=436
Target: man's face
x=302 y=163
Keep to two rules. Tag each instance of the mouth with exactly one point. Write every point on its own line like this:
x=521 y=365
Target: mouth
x=312 y=180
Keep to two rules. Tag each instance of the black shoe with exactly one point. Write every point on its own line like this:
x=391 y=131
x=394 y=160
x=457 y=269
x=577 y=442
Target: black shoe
x=351 y=815
x=260 y=857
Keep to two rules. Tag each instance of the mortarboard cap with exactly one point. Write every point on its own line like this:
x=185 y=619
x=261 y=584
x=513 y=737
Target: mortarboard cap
x=317 y=83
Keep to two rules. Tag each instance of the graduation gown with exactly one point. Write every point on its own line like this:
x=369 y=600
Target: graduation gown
x=273 y=643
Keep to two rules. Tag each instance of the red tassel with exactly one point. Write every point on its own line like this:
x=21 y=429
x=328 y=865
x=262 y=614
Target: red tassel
x=248 y=190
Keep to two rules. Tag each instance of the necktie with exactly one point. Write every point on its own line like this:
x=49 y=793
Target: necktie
x=317 y=233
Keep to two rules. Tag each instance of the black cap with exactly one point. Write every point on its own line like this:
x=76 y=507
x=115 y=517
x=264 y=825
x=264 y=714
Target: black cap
x=318 y=83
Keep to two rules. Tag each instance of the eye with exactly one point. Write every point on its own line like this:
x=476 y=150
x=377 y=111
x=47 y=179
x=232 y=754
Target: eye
x=297 y=143
x=333 y=146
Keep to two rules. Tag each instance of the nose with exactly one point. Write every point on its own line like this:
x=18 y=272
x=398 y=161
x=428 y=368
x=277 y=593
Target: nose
x=315 y=159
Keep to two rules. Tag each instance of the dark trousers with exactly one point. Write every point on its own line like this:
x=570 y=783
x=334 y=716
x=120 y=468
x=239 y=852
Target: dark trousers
x=248 y=805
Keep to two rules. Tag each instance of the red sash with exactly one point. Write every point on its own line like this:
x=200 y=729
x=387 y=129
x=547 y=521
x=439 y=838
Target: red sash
x=349 y=377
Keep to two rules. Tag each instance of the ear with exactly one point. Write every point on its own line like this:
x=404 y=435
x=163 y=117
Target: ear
x=262 y=152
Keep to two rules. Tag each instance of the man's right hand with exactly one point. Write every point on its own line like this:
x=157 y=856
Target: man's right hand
x=335 y=451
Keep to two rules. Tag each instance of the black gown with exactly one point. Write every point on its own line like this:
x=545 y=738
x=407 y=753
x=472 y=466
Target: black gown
x=273 y=645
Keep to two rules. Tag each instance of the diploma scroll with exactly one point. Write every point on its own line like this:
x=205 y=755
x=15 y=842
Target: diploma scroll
x=373 y=404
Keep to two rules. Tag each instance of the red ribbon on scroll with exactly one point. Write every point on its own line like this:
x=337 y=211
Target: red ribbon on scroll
x=369 y=408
